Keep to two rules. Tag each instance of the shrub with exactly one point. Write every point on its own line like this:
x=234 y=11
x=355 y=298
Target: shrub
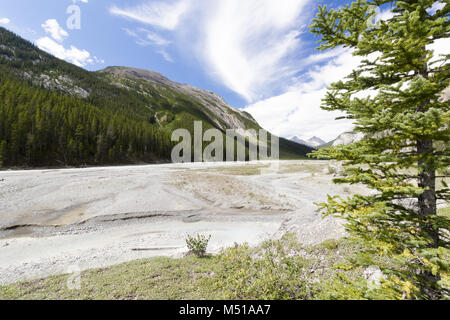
x=330 y=244
x=198 y=244
x=271 y=271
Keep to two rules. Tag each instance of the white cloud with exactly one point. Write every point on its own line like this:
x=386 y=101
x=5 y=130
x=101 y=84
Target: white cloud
x=385 y=15
x=158 y=14
x=52 y=27
x=319 y=57
x=54 y=46
x=156 y=39
x=437 y=5
x=298 y=110
x=440 y=46
x=74 y=55
x=145 y=37
x=4 y=21
x=165 y=55
x=247 y=43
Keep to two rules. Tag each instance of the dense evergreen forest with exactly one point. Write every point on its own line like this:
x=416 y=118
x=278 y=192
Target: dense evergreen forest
x=39 y=127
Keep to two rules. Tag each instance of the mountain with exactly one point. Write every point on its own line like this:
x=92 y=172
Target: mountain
x=218 y=111
x=316 y=142
x=345 y=138
x=55 y=113
x=299 y=141
x=313 y=142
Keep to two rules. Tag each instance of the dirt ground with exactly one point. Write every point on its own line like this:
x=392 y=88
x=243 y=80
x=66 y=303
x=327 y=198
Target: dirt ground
x=59 y=221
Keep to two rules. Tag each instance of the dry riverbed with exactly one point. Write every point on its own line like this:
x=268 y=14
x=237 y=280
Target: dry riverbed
x=60 y=221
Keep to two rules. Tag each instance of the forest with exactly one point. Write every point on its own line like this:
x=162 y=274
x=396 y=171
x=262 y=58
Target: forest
x=39 y=127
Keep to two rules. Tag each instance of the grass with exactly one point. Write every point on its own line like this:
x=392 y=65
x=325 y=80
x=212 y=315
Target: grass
x=276 y=270
x=157 y=278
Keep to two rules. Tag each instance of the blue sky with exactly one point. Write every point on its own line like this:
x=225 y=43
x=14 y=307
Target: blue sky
x=257 y=54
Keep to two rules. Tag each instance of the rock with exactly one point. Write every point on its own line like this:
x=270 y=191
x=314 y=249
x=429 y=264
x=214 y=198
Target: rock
x=374 y=276
x=348 y=138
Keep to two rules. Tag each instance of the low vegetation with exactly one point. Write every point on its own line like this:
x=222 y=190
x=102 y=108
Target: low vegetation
x=198 y=244
x=277 y=269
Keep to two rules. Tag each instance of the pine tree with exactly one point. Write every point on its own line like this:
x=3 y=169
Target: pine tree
x=405 y=155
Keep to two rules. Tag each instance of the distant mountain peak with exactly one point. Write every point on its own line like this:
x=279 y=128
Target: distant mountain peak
x=316 y=141
x=313 y=142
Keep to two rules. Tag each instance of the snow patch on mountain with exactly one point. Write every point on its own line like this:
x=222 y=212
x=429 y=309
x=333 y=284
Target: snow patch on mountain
x=313 y=142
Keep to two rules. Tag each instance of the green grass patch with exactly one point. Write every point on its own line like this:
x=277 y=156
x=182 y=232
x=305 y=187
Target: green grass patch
x=157 y=278
x=281 y=269
x=275 y=270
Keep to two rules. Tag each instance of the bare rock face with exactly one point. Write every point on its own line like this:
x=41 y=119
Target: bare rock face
x=348 y=138
x=316 y=141
x=446 y=95
x=57 y=83
x=215 y=105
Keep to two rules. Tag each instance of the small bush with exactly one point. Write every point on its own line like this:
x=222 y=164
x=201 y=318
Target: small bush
x=272 y=271
x=330 y=244
x=198 y=244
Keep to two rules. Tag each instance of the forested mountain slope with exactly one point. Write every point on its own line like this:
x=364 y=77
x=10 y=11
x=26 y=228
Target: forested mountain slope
x=55 y=113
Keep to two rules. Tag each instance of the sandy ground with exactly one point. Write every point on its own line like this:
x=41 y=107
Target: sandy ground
x=60 y=221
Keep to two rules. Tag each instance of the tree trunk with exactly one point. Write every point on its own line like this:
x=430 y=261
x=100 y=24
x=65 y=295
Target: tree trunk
x=427 y=175
x=427 y=181
x=427 y=207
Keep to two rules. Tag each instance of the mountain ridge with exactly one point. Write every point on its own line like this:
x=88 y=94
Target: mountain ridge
x=215 y=103
x=115 y=115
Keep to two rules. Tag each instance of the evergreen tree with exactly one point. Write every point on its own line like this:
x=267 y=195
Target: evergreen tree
x=405 y=155
x=2 y=152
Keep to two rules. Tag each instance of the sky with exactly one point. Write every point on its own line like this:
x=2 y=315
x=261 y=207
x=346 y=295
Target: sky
x=257 y=54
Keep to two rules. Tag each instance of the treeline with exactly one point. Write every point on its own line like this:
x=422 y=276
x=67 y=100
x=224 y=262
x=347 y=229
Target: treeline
x=40 y=127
